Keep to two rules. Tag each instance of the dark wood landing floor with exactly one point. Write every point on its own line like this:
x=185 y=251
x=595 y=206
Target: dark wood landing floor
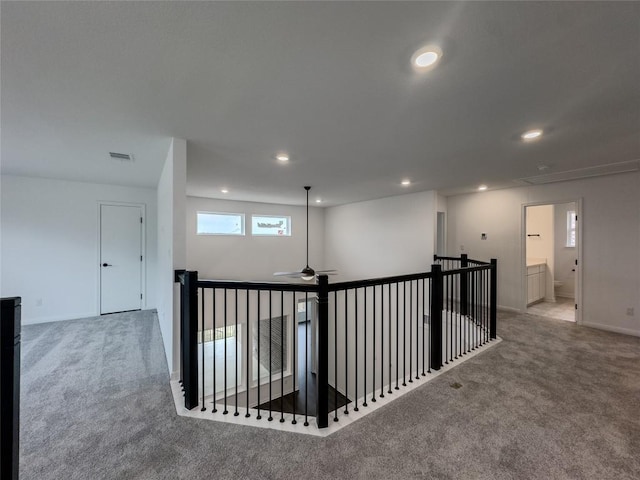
x=306 y=393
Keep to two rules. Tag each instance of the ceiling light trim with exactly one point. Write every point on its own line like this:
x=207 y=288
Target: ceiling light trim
x=426 y=58
x=531 y=135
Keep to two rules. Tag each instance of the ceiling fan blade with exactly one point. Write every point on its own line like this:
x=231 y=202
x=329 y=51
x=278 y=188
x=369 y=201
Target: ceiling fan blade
x=288 y=274
x=330 y=271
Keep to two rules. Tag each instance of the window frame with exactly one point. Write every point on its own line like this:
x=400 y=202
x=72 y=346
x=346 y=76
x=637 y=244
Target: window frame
x=226 y=214
x=279 y=217
x=572 y=228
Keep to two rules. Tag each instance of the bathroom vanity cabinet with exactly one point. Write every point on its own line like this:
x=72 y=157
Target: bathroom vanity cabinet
x=536 y=281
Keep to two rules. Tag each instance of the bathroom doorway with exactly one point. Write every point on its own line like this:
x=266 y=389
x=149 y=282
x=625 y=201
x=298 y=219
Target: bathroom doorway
x=551 y=260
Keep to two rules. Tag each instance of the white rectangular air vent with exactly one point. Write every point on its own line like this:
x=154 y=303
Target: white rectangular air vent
x=123 y=157
x=608 y=169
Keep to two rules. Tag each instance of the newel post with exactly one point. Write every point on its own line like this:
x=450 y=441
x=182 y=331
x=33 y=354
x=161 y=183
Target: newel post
x=464 y=286
x=178 y=277
x=322 y=352
x=189 y=336
x=493 y=308
x=435 y=320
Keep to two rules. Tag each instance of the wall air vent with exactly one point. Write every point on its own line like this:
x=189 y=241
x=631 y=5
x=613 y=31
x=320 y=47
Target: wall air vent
x=123 y=157
x=599 y=170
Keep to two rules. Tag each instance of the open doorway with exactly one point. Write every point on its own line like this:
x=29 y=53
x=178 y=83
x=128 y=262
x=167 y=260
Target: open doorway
x=551 y=259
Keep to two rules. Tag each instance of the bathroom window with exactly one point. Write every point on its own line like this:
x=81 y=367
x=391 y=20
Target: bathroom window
x=571 y=228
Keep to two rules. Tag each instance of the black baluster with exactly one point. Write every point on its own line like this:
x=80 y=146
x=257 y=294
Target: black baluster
x=213 y=315
x=281 y=356
x=475 y=310
x=417 y=331
x=410 y=330
x=247 y=415
x=364 y=362
x=306 y=359
x=453 y=316
x=404 y=334
x=236 y=413
x=373 y=353
x=364 y=402
x=294 y=370
x=225 y=353
x=389 y=298
x=382 y=341
x=424 y=310
x=397 y=335
x=270 y=418
x=258 y=416
x=447 y=306
x=430 y=318
x=355 y=293
x=346 y=354
x=202 y=342
x=456 y=327
x=335 y=354
x=477 y=317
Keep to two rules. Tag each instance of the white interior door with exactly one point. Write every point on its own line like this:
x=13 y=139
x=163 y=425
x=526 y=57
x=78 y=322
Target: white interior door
x=120 y=258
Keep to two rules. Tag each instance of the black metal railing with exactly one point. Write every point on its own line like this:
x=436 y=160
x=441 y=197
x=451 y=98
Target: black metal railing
x=298 y=351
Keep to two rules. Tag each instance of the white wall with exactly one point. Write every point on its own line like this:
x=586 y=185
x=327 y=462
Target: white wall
x=50 y=245
x=611 y=242
x=171 y=198
x=249 y=257
x=564 y=256
x=389 y=236
x=540 y=222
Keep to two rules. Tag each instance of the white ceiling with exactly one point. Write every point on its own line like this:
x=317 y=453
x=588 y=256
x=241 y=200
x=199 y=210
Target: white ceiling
x=329 y=82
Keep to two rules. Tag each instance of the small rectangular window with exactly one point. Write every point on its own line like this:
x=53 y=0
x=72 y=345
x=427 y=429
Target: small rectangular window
x=209 y=223
x=571 y=228
x=268 y=225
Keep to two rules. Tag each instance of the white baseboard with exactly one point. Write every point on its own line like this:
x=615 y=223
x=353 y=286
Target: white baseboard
x=56 y=318
x=565 y=295
x=504 y=308
x=612 y=328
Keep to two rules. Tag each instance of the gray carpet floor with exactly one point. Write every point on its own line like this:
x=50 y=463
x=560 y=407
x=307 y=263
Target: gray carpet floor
x=553 y=400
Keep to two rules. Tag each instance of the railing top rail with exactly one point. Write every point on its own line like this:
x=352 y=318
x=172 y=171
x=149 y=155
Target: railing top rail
x=473 y=266
x=478 y=262
x=377 y=281
x=459 y=259
x=272 y=286
x=457 y=271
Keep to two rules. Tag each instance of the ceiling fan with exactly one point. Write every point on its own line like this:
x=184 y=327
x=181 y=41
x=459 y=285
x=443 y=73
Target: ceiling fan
x=307 y=273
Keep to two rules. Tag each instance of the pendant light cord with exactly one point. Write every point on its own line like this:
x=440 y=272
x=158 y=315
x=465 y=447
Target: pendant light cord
x=307 y=189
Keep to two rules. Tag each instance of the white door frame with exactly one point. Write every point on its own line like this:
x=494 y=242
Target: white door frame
x=523 y=250
x=143 y=240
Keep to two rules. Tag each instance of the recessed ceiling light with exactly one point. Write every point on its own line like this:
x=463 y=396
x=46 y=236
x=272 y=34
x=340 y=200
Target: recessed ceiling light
x=224 y=190
x=531 y=134
x=405 y=182
x=318 y=200
x=426 y=58
x=282 y=157
x=482 y=188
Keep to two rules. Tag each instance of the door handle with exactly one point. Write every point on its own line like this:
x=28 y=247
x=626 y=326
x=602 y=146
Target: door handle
x=107 y=265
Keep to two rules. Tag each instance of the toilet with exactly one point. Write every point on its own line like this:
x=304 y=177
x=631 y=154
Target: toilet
x=557 y=285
